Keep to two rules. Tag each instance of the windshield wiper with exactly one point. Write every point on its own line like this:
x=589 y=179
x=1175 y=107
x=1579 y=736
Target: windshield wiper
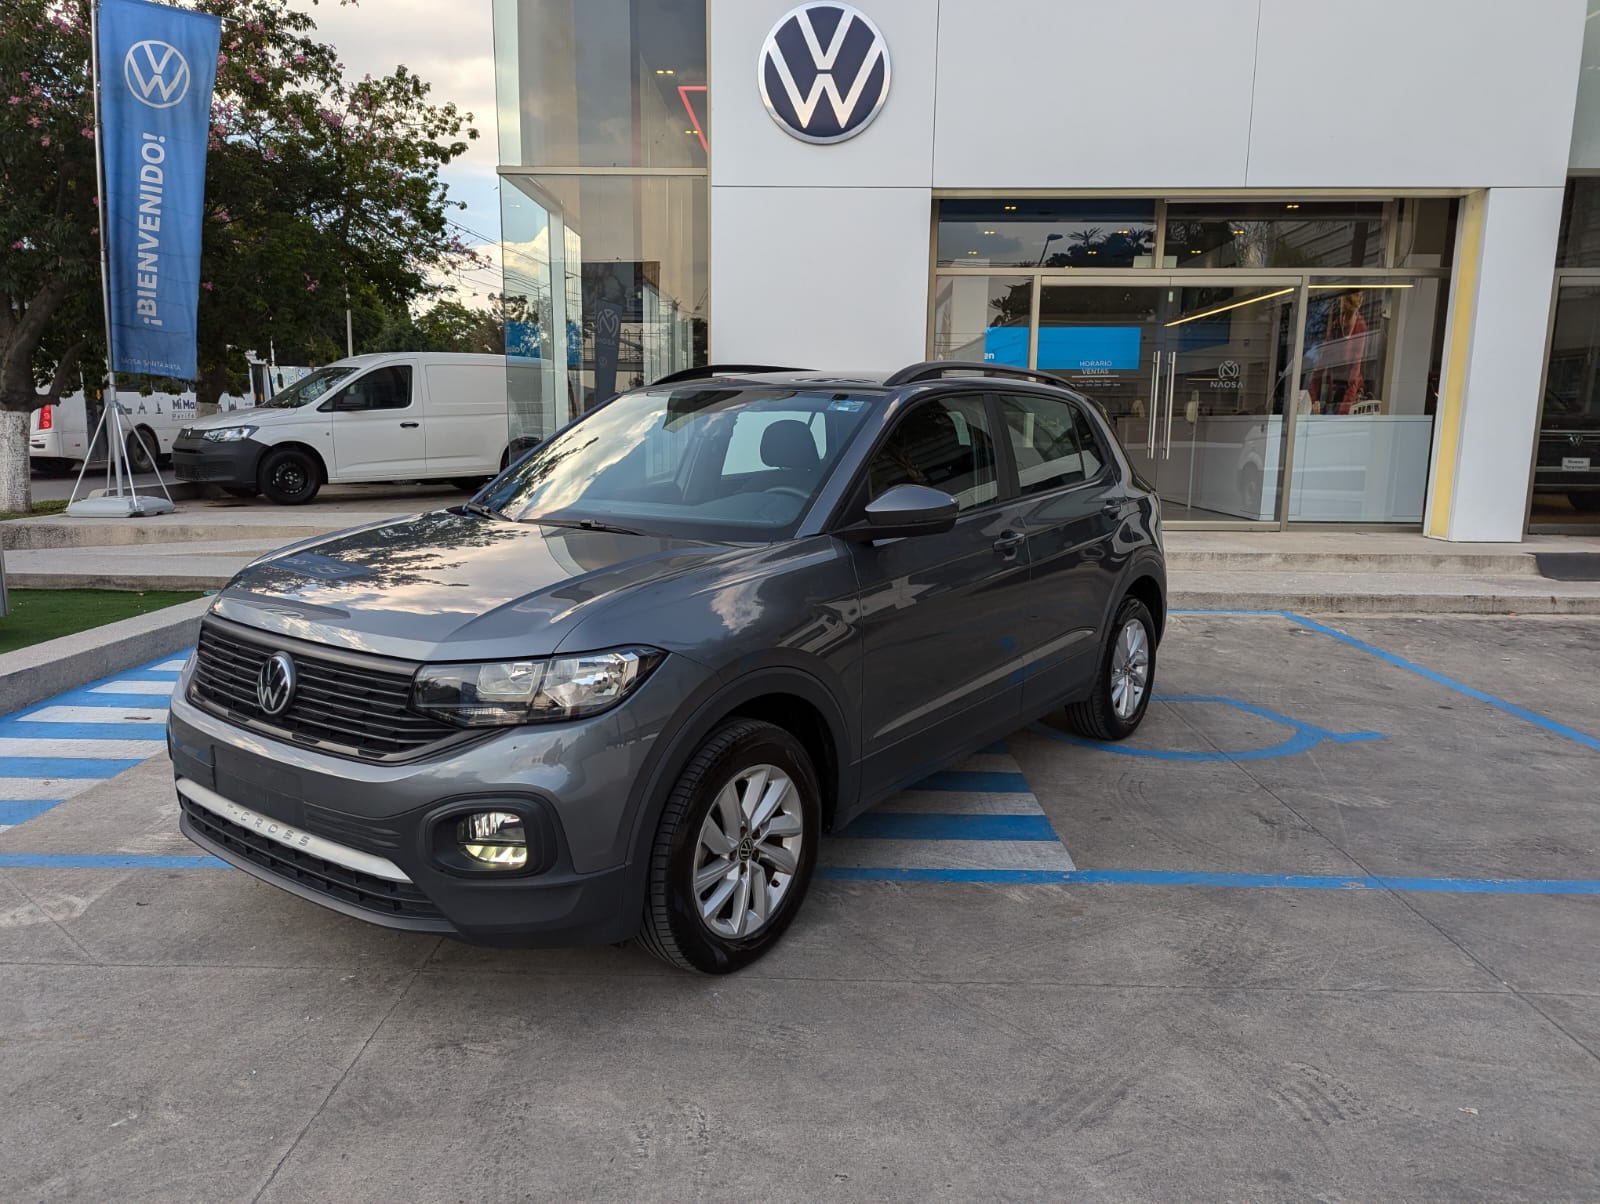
x=587 y=524
x=485 y=511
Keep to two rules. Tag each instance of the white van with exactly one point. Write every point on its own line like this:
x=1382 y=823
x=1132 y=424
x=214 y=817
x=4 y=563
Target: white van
x=59 y=433
x=396 y=416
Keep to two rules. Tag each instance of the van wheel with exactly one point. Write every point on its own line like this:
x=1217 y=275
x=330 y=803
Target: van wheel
x=141 y=450
x=1122 y=685
x=289 y=477
x=734 y=851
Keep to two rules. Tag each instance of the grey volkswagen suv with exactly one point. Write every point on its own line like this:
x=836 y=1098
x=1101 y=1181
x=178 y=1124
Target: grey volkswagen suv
x=626 y=689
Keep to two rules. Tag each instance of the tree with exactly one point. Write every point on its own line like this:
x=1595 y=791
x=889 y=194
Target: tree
x=447 y=326
x=322 y=193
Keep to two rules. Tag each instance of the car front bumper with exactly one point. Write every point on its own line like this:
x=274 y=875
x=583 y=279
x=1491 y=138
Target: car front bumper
x=371 y=840
x=200 y=460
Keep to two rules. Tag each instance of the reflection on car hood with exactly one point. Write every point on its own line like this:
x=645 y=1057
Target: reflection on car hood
x=452 y=586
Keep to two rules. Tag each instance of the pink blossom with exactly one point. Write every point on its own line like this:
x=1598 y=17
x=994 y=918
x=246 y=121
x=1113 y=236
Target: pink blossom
x=24 y=76
x=19 y=245
x=87 y=131
x=16 y=100
x=35 y=122
x=256 y=77
x=222 y=59
x=45 y=141
x=299 y=60
x=207 y=285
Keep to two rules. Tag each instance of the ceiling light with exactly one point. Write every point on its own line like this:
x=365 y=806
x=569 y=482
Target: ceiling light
x=971 y=252
x=1124 y=232
x=1011 y=208
x=1094 y=252
x=1238 y=233
x=988 y=231
x=1196 y=251
x=1294 y=205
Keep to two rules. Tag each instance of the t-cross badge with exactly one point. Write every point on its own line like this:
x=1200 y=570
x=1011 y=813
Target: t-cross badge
x=625 y=691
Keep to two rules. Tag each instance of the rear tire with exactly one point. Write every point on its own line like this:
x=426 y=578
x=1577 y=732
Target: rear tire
x=141 y=448
x=289 y=477
x=1122 y=685
x=734 y=851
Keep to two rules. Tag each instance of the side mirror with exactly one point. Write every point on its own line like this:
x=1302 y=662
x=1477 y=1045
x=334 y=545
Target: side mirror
x=903 y=511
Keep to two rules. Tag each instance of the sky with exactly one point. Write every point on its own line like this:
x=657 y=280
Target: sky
x=450 y=44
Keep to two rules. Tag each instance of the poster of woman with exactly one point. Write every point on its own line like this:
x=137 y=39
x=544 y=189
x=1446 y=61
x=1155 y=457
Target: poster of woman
x=1338 y=379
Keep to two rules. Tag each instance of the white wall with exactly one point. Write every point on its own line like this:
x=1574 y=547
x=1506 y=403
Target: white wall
x=1499 y=369
x=820 y=277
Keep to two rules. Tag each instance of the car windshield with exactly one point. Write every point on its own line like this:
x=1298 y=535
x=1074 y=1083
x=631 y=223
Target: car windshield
x=308 y=388
x=720 y=462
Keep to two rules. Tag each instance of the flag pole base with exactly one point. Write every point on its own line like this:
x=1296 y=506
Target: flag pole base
x=126 y=506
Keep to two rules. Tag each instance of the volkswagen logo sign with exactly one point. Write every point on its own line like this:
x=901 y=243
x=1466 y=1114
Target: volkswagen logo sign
x=157 y=74
x=824 y=72
x=275 y=684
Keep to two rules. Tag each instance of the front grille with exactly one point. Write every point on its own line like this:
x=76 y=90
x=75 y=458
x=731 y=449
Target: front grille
x=353 y=708
x=399 y=900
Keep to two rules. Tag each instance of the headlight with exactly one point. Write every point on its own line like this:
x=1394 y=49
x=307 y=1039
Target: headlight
x=229 y=434
x=531 y=691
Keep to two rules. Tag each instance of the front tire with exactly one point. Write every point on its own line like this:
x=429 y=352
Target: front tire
x=734 y=852
x=289 y=477
x=1122 y=686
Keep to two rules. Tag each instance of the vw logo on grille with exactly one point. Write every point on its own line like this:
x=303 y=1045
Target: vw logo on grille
x=157 y=74
x=275 y=684
x=818 y=51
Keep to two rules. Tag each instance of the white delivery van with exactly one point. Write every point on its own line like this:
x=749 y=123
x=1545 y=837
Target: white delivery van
x=396 y=416
x=59 y=433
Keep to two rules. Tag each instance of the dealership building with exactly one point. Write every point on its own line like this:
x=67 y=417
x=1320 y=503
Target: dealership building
x=1320 y=263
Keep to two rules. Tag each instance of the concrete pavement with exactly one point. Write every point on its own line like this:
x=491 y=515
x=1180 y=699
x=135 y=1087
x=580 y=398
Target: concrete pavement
x=1331 y=933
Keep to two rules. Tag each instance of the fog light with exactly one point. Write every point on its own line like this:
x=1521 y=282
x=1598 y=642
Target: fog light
x=496 y=839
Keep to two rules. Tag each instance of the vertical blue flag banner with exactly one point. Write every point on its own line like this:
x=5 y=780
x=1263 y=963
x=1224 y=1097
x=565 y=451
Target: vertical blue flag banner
x=157 y=68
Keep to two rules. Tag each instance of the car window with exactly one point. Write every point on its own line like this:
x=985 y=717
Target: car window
x=945 y=444
x=1051 y=440
x=713 y=461
x=381 y=389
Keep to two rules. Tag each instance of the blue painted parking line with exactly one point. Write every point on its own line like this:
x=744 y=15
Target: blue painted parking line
x=1304 y=736
x=979 y=782
x=1554 y=726
x=55 y=748
x=883 y=825
x=107 y=861
x=16 y=811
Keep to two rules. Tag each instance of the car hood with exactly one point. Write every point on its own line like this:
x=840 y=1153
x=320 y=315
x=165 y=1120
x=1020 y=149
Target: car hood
x=251 y=416
x=452 y=586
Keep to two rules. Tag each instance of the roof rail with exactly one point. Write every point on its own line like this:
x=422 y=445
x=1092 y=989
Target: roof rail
x=708 y=370
x=936 y=369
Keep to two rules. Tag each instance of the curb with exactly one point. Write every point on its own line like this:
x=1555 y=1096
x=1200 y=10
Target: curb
x=1388 y=604
x=42 y=671
x=132 y=582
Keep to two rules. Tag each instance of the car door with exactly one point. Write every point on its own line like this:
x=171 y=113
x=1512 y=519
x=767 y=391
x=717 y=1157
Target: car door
x=940 y=614
x=1069 y=498
x=466 y=424
x=377 y=427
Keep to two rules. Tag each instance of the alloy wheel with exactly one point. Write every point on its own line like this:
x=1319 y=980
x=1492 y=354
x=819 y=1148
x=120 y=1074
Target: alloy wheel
x=1130 y=669
x=748 y=851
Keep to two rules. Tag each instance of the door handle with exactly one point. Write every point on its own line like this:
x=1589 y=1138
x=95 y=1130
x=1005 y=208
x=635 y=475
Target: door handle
x=1112 y=505
x=1008 y=541
x=409 y=425
x=1172 y=380
x=1154 y=411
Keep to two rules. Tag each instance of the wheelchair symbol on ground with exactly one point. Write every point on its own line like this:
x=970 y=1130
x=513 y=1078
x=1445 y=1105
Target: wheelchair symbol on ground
x=1302 y=736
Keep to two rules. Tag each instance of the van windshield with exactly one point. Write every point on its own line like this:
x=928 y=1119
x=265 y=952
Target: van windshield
x=308 y=388
x=740 y=463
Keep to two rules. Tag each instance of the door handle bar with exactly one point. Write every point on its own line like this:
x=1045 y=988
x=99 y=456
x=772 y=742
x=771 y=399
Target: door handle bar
x=1172 y=380
x=407 y=425
x=1154 y=414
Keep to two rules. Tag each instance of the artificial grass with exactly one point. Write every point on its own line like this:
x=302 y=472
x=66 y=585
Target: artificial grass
x=37 y=615
x=51 y=507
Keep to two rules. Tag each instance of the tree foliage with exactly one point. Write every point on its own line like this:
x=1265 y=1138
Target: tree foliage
x=322 y=191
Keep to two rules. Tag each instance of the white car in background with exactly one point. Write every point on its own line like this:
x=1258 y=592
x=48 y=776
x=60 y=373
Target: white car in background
x=59 y=434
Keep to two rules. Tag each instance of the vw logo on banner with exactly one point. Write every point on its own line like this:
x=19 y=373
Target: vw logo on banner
x=824 y=72
x=157 y=74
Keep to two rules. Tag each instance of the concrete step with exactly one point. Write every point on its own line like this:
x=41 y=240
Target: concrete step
x=1382 y=593
x=1448 y=560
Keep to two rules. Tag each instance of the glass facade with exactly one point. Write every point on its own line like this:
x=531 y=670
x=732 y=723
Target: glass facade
x=604 y=205
x=1289 y=372
x=1566 y=474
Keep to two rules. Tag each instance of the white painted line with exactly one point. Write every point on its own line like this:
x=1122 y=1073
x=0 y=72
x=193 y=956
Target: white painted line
x=960 y=802
x=168 y=667
x=93 y=750
x=17 y=790
x=163 y=688
x=946 y=854
x=97 y=714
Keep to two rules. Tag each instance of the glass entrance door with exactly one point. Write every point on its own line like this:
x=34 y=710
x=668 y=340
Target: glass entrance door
x=1194 y=379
